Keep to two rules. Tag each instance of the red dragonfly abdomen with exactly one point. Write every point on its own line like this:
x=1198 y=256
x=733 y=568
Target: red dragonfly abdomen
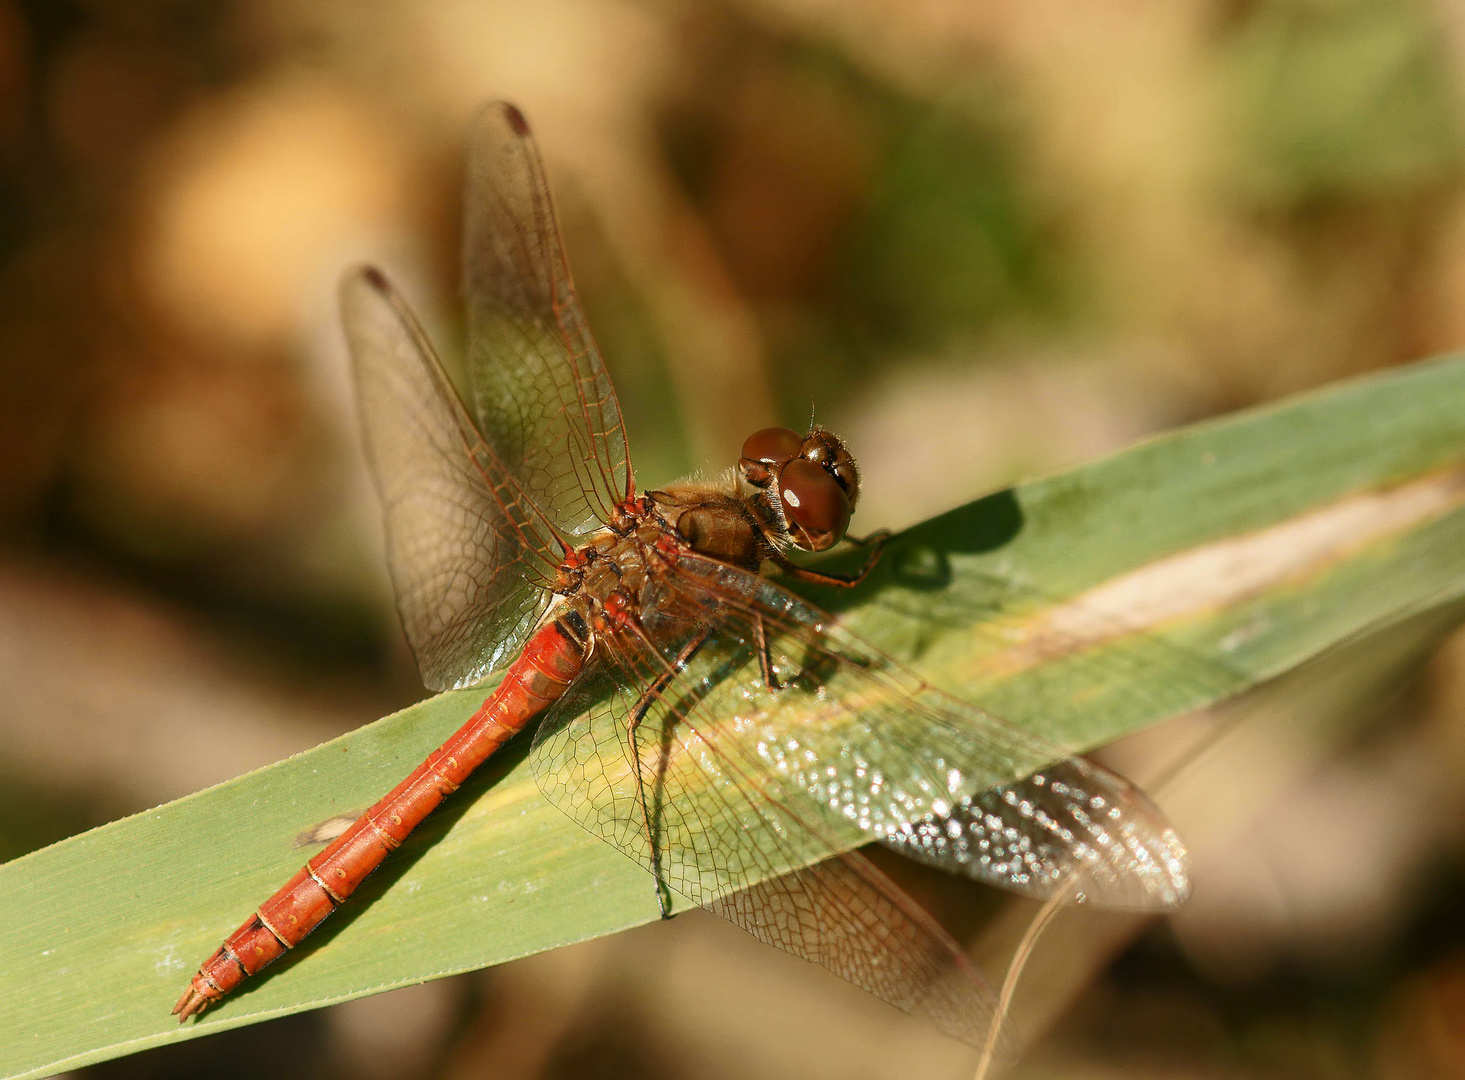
x=538 y=678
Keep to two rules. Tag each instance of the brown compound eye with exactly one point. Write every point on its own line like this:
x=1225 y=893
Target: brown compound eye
x=816 y=507
x=828 y=451
x=764 y=451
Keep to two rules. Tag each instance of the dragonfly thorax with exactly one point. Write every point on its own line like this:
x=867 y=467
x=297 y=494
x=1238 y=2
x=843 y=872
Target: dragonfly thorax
x=715 y=522
x=789 y=491
x=614 y=560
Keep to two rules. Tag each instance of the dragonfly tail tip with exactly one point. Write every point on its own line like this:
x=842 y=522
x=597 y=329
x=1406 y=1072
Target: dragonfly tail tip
x=190 y=1004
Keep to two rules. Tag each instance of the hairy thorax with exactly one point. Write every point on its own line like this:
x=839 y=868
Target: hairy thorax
x=616 y=567
x=715 y=519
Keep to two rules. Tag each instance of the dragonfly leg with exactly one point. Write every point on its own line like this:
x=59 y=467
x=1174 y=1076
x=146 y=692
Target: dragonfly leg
x=878 y=537
x=765 y=658
x=633 y=724
x=875 y=540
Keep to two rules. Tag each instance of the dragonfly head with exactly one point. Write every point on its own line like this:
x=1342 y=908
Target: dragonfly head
x=811 y=479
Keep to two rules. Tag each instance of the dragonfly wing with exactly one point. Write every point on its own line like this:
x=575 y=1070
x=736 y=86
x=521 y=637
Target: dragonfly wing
x=846 y=916
x=899 y=760
x=540 y=391
x=699 y=813
x=1073 y=824
x=468 y=556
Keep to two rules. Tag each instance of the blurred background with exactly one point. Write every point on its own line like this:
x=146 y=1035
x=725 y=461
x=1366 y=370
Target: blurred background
x=980 y=238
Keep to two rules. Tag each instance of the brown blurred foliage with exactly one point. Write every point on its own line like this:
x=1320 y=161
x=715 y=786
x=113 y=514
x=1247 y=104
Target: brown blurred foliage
x=982 y=238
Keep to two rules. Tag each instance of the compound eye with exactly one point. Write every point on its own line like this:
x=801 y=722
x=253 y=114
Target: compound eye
x=773 y=444
x=765 y=450
x=827 y=450
x=814 y=504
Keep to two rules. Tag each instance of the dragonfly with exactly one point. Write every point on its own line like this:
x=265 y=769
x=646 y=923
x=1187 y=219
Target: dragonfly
x=692 y=711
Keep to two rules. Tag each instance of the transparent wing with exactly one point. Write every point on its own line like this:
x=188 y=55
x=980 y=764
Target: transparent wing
x=764 y=738
x=890 y=756
x=540 y=391
x=846 y=916
x=1073 y=823
x=469 y=558
x=888 y=752
x=671 y=794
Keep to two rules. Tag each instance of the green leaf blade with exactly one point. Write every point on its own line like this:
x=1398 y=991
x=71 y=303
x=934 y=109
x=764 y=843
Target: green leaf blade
x=1084 y=606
